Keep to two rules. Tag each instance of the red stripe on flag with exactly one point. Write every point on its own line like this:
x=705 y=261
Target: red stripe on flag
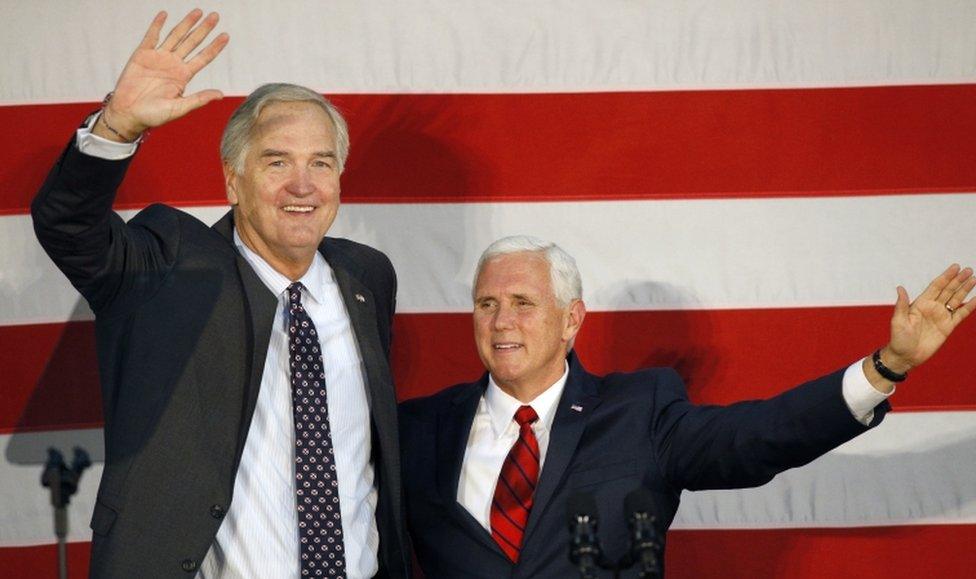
x=865 y=553
x=507 y=147
x=51 y=377
x=42 y=560
x=725 y=355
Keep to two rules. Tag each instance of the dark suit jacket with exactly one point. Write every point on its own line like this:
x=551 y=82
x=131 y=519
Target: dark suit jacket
x=182 y=326
x=634 y=430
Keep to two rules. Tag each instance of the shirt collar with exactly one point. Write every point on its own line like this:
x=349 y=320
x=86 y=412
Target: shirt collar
x=502 y=406
x=319 y=274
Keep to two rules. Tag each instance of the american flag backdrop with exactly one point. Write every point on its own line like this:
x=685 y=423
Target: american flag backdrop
x=743 y=183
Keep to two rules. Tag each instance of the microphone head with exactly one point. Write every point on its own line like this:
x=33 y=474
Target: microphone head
x=639 y=500
x=581 y=505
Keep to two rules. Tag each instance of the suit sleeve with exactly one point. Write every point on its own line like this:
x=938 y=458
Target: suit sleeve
x=748 y=443
x=112 y=264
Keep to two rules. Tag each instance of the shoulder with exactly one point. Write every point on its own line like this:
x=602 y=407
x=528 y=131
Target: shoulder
x=657 y=384
x=161 y=215
x=368 y=264
x=169 y=225
x=426 y=407
x=361 y=254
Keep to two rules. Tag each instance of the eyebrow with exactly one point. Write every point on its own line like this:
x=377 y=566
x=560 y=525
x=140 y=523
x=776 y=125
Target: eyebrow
x=277 y=153
x=526 y=297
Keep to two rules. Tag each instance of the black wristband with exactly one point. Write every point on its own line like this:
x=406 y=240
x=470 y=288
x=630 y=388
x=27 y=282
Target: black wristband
x=886 y=372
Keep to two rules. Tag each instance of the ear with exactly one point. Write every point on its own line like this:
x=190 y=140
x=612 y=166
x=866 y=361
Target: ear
x=231 y=183
x=574 y=320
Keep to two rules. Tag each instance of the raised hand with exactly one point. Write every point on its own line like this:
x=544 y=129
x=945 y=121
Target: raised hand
x=149 y=91
x=919 y=328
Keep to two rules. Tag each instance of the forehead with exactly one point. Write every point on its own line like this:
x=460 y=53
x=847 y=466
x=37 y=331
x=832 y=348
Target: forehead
x=515 y=273
x=304 y=119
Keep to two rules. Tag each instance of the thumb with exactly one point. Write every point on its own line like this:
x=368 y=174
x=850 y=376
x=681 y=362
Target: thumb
x=197 y=100
x=901 y=304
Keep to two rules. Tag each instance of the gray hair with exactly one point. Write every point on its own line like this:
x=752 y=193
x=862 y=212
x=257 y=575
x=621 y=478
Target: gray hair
x=237 y=133
x=563 y=273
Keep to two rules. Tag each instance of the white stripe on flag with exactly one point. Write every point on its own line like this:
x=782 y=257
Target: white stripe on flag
x=634 y=255
x=503 y=46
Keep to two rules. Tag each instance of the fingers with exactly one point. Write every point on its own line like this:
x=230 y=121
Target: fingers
x=180 y=30
x=938 y=284
x=196 y=36
x=954 y=284
x=963 y=311
x=152 y=35
x=209 y=53
x=959 y=296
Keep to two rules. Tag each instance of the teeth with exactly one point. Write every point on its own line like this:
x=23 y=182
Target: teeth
x=298 y=208
x=506 y=346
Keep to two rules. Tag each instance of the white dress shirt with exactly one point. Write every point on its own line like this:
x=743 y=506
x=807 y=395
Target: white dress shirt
x=494 y=431
x=259 y=534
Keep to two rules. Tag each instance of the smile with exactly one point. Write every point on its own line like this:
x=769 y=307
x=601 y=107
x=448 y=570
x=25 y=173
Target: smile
x=506 y=346
x=298 y=208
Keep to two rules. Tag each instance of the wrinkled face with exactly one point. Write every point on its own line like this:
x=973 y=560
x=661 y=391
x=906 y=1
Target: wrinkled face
x=521 y=331
x=288 y=194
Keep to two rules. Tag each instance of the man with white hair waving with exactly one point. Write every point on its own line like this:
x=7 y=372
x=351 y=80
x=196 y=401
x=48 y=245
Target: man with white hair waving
x=495 y=462
x=250 y=418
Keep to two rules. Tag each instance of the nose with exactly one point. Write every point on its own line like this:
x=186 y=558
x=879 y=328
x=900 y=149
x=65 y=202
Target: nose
x=300 y=182
x=504 y=318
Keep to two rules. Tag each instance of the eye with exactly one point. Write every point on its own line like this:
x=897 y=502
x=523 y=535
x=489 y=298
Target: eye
x=322 y=164
x=485 y=305
x=276 y=163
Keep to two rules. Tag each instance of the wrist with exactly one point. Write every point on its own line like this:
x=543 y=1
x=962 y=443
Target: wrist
x=115 y=126
x=888 y=366
x=893 y=361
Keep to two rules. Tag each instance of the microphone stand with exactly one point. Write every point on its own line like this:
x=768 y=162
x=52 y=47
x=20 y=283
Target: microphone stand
x=63 y=482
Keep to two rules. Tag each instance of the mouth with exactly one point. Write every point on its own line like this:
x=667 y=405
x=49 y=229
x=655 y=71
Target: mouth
x=298 y=209
x=506 y=347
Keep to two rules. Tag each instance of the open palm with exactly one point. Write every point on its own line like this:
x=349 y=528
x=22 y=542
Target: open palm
x=919 y=328
x=149 y=91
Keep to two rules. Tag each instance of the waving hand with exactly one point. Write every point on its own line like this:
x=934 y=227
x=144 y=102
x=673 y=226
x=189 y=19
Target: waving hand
x=149 y=91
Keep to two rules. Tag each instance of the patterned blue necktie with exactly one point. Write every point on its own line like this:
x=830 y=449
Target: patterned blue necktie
x=319 y=519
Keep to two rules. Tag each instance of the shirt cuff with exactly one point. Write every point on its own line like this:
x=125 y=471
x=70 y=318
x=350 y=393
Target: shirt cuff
x=91 y=144
x=861 y=397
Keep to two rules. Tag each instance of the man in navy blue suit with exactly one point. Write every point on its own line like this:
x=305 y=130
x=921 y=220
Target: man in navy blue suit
x=491 y=465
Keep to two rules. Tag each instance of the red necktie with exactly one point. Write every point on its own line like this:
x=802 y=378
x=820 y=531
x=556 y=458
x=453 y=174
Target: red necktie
x=513 y=492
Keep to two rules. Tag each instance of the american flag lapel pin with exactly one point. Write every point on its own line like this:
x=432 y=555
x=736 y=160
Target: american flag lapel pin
x=361 y=298
x=576 y=408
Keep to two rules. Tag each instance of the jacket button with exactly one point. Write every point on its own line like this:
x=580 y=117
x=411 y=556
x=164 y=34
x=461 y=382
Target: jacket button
x=189 y=565
x=217 y=512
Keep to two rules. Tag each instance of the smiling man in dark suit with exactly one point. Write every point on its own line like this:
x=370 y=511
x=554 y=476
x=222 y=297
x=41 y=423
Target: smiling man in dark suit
x=492 y=463
x=250 y=418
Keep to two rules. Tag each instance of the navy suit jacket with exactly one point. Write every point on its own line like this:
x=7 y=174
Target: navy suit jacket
x=635 y=429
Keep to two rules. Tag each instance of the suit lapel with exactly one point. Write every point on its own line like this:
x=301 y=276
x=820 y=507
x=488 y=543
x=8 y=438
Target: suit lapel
x=261 y=306
x=361 y=307
x=380 y=393
x=577 y=403
x=453 y=430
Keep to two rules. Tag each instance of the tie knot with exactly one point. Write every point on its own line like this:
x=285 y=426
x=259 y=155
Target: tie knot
x=295 y=293
x=525 y=415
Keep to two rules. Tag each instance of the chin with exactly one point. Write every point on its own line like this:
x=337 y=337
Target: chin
x=503 y=374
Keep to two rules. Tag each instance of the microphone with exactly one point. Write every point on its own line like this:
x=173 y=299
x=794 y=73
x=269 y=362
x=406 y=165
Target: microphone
x=584 y=547
x=638 y=506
